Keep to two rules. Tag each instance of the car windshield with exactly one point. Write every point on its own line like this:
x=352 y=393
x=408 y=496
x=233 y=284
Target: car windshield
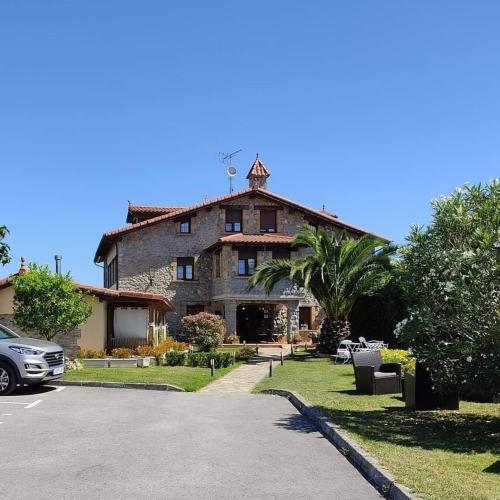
x=5 y=333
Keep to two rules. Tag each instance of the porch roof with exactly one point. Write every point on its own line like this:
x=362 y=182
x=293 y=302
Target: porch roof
x=252 y=239
x=128 y=296
x=120 y=296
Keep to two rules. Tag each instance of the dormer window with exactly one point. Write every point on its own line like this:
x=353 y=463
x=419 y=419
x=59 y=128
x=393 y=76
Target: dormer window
x=268 y=221
x=233 y=220
x=185 y=226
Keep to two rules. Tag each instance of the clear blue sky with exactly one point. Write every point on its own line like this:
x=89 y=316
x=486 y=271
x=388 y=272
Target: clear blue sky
x=371 y=108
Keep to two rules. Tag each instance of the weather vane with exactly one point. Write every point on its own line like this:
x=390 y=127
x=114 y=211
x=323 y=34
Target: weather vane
x=226 y=159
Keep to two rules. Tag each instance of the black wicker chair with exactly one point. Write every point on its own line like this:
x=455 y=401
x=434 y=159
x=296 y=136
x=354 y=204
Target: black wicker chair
x=373 y=376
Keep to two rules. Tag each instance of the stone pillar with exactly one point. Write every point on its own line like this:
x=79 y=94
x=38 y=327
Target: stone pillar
x=292 y=317
x=230 y=317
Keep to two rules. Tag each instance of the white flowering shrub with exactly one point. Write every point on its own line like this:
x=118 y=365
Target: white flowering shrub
x=450 y=276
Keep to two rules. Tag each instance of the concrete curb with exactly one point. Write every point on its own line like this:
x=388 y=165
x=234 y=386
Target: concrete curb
x=119 y=385
x=378 y=477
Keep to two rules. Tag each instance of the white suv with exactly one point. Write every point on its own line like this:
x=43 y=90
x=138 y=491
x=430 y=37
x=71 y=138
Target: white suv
x=27 y=361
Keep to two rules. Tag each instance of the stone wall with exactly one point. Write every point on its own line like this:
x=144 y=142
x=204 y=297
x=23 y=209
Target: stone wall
x=147 y=259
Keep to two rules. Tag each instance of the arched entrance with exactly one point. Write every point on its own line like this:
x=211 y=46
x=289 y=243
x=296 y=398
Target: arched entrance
x=254 y=322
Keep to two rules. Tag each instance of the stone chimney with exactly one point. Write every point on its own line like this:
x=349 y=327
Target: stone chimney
x=23 y=268
x=258 y=174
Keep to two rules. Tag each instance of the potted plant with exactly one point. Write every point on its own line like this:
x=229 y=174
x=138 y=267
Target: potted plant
x=145 y=353
x=93 y=358
x=122 y=357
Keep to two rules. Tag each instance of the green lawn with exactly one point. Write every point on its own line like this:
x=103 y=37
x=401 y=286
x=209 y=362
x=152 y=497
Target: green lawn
x=438 y=455
x=189 y=379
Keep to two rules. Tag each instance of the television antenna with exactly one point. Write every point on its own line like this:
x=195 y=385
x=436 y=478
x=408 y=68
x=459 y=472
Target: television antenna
x=226 y=159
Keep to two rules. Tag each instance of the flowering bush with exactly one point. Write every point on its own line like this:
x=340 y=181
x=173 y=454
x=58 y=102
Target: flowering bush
x=233 y=339
x=451 y=279
x=122 y=352
x=169 y=344
x=404 y=358
x=204 y=329
x=72 y=364
x=90 y=353
x=145 y=350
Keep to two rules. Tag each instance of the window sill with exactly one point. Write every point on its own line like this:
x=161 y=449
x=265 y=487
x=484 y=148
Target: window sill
x=185 y=281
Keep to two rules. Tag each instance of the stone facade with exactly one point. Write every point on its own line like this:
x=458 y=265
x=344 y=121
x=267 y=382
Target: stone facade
x=147 y=260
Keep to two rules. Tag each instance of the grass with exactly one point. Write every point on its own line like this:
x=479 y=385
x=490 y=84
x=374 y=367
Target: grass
x=188 y=378
x=438 y=455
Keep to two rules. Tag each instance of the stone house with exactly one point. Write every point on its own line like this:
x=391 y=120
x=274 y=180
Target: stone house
x=200 y=257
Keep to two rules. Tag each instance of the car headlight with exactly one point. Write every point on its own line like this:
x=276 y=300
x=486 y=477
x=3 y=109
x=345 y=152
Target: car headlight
x=25 y=350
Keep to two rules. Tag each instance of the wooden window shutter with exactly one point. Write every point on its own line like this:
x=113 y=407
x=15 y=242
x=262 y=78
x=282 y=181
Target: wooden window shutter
x=233 y=215
x=268 y=219
x=247 y=253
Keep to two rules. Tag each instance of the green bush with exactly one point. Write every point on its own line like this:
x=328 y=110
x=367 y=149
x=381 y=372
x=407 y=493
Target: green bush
x=202 y=359
x=175 y=358
x=404 y=358
x=246 y=352
x=204 y=329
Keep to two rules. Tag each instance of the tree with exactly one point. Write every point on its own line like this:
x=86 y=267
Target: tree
x=451 y=279
x=337 y=270
x=48 y=303
x=4 y=248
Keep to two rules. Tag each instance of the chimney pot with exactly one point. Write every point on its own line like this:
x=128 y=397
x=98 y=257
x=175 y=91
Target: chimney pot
x=58 y=259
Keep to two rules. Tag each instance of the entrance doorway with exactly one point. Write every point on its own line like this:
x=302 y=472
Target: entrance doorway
x=254 y=322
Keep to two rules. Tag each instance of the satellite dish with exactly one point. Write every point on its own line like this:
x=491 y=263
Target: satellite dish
x=231 y=171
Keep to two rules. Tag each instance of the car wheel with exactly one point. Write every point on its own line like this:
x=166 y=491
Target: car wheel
x=8 y=380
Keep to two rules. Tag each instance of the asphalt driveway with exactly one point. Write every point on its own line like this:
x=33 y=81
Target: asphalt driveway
x=89 y=443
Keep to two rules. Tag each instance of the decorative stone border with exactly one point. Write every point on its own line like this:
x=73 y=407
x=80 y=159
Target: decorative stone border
x=119 y=385
x=381 y=479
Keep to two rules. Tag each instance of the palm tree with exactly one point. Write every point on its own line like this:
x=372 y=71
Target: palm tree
x=336 y=270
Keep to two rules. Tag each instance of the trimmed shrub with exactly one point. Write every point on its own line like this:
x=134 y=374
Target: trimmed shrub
x=404 y=358
x=122 y=352
x=202 y=359
x=198 y=359
x=90 y=353
x=175 y=358
x=246 y=352
x=222 y=359
x=204 y=329
x=145 y=350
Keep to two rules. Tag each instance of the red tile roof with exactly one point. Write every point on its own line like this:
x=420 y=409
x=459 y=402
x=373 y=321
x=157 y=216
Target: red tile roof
x=258 y=169
x=109 y=237
x=143 y=212
x=125 y=294
x=253 y=239
x=109 y=293
x=256 y=238
x=152 y=208
x=5 y=282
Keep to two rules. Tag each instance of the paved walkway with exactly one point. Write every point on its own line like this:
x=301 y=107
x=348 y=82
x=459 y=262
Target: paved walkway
x=243 y=379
